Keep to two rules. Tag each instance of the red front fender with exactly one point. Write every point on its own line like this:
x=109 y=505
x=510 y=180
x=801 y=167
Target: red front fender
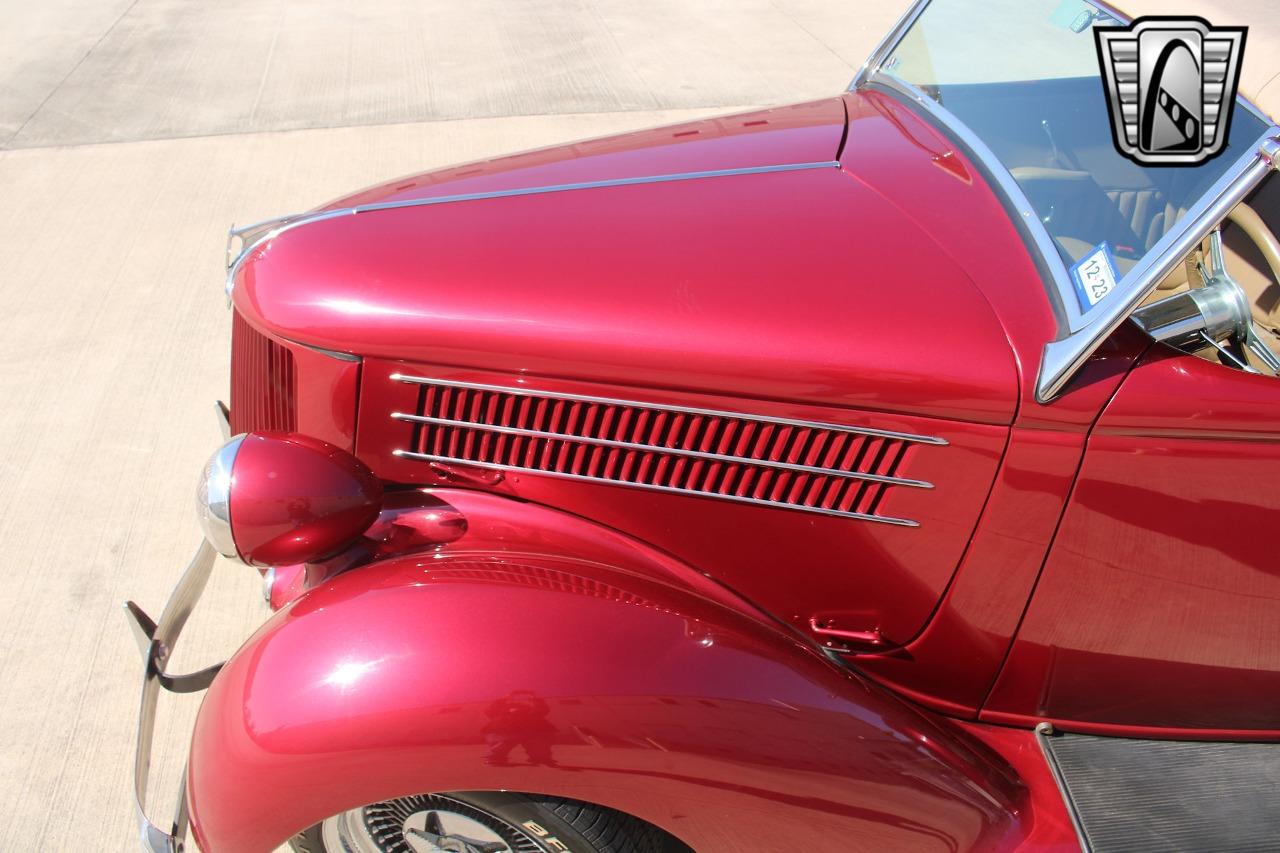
x=567 y=677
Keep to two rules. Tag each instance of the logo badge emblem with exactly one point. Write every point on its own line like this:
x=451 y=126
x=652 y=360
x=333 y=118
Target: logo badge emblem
x=1171 y=84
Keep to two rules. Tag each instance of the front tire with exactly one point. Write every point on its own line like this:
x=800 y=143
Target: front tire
x=484 y=822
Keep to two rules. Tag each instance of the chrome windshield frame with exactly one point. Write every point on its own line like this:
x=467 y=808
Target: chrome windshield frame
x=1044 y=252
x=1063 y=357
x=1079 y=334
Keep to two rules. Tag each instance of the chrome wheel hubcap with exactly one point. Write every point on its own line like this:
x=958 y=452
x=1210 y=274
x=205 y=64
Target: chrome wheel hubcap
x=422 y=824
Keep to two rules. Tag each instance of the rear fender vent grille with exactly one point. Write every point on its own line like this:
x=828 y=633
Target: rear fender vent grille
x=263 y=381
x=774 y=462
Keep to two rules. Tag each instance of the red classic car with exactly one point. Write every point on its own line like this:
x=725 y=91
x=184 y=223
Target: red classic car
x=892 y=472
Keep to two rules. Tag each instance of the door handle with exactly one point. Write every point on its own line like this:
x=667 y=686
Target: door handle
x=827 y=627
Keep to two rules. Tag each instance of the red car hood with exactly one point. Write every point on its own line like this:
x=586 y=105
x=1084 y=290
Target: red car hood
x=804 y=285
x=800 y=133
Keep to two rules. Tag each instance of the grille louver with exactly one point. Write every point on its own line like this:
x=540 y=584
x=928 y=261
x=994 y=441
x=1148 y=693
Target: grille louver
x=263 y=381
x=775 y=462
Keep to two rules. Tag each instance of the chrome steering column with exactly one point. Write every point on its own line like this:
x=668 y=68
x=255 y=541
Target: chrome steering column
x=1217 y=315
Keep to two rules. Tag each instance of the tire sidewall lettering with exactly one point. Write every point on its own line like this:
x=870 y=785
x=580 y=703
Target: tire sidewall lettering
x=545 y=838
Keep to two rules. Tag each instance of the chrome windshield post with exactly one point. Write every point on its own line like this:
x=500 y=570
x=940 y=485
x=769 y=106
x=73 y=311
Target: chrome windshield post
x=1062 y=358
x=887 y=44
x=1081 y=327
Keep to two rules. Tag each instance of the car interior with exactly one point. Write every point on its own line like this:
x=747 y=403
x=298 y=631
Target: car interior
x=1055 y=137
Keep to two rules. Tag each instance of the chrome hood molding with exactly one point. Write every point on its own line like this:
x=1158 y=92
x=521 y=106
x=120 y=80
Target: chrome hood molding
x=800 y=136
x=789 y=277
x=259 y=234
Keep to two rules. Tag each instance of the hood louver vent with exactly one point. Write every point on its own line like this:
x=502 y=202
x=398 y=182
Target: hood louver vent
x=263 y=381
x=773 y=462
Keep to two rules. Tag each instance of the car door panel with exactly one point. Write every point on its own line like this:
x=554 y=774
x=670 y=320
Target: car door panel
x=1158 y=603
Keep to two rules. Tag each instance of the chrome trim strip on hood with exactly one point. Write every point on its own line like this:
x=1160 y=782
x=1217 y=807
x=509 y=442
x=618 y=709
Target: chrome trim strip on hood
x=255 y=235
x=654 y=487
x=589 y=437
x=666 y=407
x=658 y=448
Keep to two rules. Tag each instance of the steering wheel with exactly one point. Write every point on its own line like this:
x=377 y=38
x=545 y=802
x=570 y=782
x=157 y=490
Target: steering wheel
x=1232 y=297
x=1218 y=314
x=1247 y=220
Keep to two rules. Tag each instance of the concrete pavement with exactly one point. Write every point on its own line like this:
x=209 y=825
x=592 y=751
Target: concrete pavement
x=131 y=135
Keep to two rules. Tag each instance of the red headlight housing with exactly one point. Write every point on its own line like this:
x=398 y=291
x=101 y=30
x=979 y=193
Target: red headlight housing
x=279 y=498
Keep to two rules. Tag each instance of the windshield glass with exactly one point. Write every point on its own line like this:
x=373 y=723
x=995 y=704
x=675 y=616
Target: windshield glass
x=1023 y=75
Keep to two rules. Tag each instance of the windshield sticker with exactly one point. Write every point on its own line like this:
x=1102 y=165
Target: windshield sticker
x=1095 y=276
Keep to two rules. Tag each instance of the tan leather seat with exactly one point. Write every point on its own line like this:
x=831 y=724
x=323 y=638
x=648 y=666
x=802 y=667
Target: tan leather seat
x=1072 y=205
x=1148 y=212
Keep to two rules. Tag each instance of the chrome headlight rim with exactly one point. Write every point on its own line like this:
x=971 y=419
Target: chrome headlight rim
x=213 y=497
